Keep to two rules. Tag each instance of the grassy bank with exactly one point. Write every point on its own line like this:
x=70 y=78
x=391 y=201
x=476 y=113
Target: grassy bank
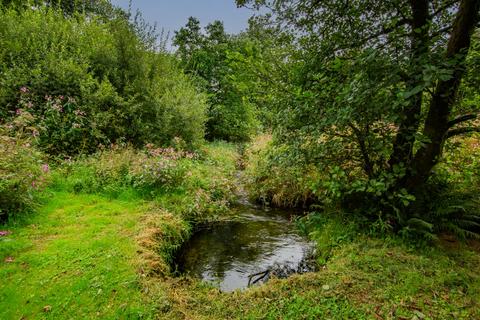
x=101 y=244
x=76 y=257
x=364 y=279
x=99 y=247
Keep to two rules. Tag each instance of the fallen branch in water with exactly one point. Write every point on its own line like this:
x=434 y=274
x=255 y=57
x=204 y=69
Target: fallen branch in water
x=262 y=275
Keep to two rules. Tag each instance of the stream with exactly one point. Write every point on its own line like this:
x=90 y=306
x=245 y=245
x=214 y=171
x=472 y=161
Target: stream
x=260 y=241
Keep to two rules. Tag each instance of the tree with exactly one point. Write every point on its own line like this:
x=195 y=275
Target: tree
x=69 y=7
x=378 y=80
x=205 y=54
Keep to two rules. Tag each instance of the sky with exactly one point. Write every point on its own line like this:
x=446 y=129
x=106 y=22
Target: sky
x=171 y=15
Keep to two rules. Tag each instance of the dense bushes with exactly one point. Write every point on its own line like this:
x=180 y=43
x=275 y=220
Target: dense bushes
x=90 y=81
x=22 y=172
x=275 y=179
x=115 y=170
x=280 y=176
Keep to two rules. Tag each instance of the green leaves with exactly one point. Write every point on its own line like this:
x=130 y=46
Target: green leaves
x=219 y=60
x=127 y=91
x=415 y=90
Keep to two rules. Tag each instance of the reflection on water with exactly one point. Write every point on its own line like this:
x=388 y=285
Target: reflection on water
x=228 y=253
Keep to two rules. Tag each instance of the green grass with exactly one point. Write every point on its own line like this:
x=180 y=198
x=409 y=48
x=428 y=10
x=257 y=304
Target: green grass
x=86 y=256
x=75 y=258
x=98 y=256
x=364 y=279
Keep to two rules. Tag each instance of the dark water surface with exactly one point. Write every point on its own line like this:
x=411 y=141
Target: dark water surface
x=226 y=254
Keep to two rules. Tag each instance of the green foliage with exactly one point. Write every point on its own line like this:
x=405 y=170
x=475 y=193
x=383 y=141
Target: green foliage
x=274 y=178
x=330 y=230
x=449 y=203
x=182 y=182
x=91 y=81
x=22 y=170
x=206 y=56
x=114 y=171
x=358 y=96
x=69 y=7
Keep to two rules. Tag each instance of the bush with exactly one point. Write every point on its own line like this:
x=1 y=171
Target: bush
x=273 y=178
x=90 y=81
x=22 y=173
x=449 y=202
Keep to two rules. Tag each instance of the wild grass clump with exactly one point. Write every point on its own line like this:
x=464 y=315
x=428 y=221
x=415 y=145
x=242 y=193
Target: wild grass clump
x=162 y=233
x=274 y=179
x=329 y=230
x=118 y=169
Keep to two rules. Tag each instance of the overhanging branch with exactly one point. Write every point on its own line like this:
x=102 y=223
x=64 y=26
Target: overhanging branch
x=462 y=118
x=459 y=131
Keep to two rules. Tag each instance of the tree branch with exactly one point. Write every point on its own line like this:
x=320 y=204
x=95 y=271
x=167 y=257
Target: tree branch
x=367 y=163
x=461 y=119
x=442 y=30
x=459 y=131
x=385 y=31
x=443 y=8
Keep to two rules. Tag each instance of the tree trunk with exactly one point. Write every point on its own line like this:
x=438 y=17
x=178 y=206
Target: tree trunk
x=405 y=138
x=436 y=124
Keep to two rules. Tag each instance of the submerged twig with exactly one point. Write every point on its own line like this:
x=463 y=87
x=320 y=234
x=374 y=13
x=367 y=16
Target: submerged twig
x=262 y=275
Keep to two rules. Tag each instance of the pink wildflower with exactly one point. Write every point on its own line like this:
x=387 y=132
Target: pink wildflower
x=79 y=113
x=4 y=233
x=45 y=168
x=61 y=97
x=23 y=89
x=18 y=112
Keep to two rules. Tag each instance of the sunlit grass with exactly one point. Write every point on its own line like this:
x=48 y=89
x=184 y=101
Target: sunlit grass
x=75 y=258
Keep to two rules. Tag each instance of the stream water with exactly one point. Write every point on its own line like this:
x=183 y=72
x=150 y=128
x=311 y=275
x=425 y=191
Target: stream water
x=259 y=241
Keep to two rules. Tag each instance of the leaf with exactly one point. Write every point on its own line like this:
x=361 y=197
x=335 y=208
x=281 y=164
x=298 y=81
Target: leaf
x=413 y=91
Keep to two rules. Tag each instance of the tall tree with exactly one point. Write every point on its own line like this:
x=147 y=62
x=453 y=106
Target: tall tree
x=381 y=77
x=205 y=54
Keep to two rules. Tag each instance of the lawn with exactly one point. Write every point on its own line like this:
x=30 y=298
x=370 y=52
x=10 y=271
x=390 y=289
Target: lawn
x=75 y=258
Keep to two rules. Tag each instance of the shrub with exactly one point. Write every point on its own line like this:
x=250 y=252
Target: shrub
x=22 y=172
x=273 y=178
x=449 y=202
x=90 y=81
